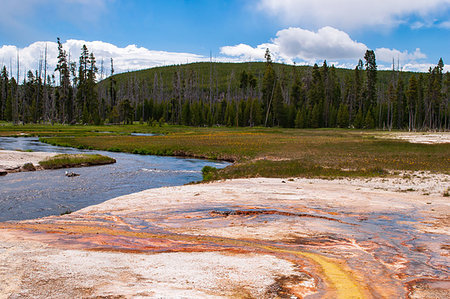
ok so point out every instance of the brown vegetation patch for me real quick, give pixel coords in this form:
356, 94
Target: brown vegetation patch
428, 288
271, 212
290, 286
319, 240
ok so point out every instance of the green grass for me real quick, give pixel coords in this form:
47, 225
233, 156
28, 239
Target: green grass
276, 152
271, 152
290, 168
36, 130
69, 160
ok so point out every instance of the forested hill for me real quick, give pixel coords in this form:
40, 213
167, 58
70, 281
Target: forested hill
232, 94
220, 75
271, 94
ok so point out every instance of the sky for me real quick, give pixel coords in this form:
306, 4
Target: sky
139, 34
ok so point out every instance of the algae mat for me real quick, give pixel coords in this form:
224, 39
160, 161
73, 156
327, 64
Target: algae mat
260, 238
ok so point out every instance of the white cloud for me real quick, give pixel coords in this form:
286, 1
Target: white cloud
430, 24
127, 58
296, 43
444, 25
333, 45
421, 67
351, 14
326, 43
386, 55
289, 45
131, 57
409, 62
247, 52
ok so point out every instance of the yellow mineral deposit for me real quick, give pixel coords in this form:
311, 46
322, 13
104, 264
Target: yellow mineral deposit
238, 238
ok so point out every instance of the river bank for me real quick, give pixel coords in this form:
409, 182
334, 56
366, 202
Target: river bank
240, 238
19, 161
13, 161
29, 195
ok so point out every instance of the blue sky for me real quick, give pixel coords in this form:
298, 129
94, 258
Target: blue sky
141, 34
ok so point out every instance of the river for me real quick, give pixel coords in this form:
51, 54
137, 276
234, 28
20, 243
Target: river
28, 195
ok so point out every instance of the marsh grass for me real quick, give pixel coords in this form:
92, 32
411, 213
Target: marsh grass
289, 168
273, 152
69, 160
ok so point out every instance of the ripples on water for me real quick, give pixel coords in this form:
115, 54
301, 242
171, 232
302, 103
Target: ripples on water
27, 195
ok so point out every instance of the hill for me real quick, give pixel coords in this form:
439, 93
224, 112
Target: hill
220, 75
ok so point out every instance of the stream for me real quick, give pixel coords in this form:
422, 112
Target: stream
28, 195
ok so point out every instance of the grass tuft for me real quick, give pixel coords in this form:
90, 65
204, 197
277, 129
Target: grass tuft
28, 167
67, 161
446, 192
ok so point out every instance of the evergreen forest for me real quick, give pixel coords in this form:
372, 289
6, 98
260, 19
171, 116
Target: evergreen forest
230, 94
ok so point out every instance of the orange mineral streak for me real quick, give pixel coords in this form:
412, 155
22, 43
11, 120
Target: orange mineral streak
347, 242
339, 280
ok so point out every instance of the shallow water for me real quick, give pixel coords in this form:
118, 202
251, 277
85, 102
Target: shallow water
28, 195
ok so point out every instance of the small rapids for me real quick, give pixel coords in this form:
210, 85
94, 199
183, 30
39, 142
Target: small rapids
28, 195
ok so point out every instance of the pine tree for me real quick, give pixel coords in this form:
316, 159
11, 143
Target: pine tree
315, 117
297, 93
359, 120
446, 101
369, 122
4, 83
291, 115
230, 114
279, 115
186, 114
126, 112
257, 112
268, 86
400, 104
64, 99
316, 92
82, 88
412, 97
342, 116
371, 71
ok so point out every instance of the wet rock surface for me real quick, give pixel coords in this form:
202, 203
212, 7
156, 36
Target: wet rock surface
257, 238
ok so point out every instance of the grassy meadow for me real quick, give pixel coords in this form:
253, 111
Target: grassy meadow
269, 152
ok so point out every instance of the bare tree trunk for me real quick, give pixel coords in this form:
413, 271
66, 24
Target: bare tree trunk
39, 80
16, 103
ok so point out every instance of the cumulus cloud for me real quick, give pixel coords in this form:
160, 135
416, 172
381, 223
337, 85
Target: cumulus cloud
336, 46
421, 67
127, 58
386, 55
352, 14
247, 52
326, 43
289, 45
297, 43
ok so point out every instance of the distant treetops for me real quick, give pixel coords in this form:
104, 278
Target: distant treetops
209, 94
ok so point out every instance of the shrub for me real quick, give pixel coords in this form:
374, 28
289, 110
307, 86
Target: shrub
28, 167
208, 172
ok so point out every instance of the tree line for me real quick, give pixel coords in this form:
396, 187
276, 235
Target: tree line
285, 97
